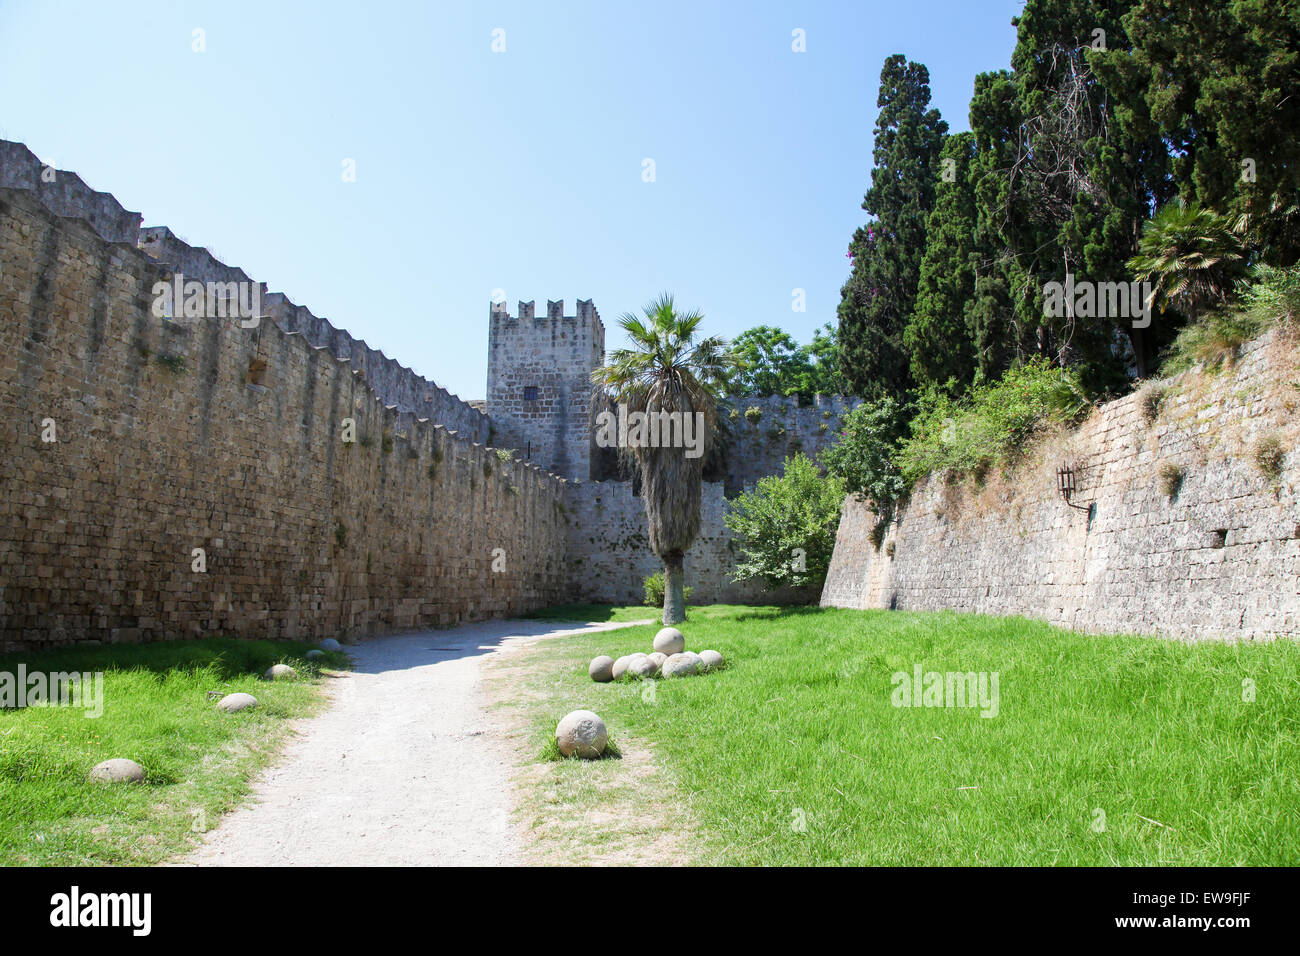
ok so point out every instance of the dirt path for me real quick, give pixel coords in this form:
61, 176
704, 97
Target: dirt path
399, 770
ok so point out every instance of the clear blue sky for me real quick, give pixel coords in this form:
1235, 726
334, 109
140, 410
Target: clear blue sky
477, 170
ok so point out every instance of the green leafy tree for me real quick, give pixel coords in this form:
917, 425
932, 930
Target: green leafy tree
1217, 82
786, 526
863, 454
877, 301
668, 369
1062, 188
774, 363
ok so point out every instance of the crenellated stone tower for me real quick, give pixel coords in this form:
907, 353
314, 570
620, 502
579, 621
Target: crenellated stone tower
539, 383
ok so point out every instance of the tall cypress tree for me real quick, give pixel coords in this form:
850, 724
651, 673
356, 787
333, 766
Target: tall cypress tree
938, 336
877, 301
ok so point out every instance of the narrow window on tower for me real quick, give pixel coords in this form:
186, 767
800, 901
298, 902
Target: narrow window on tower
530, 393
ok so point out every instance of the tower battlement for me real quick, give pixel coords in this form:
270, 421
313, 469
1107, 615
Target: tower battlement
539, 382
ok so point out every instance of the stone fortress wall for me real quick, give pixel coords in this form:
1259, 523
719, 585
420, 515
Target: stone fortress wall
783, 427
176, 434
180, 434
539, 392
1220, 557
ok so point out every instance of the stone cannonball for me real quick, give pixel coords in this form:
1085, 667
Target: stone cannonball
601, 669
670, 641
581, 734
710, 660
681, 665
117, 770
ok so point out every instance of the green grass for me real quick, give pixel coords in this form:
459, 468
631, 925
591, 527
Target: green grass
595, 613
800, 727
156, 712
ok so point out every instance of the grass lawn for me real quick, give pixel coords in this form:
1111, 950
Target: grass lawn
156, 712
1103, 751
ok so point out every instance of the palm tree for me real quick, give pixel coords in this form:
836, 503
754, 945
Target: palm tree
1192, 256
668, 370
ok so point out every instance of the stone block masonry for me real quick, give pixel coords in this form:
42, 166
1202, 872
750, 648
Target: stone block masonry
609, 557
183, 434
1185, 536
539, 383
783, 426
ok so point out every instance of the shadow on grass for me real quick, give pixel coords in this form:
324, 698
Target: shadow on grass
589, 613
550, 752
226, 657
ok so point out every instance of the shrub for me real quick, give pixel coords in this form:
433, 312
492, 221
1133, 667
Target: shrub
175, 364
1214, 340
654, 590
863, 456
1150, 399
1269, 455
505, 454
1171, 479
994, 424
753, 414
786, 526
1211, 341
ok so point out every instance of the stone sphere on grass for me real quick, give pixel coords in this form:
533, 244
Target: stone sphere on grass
581, 734
623, 663
329, 644
658, 657
117, 770
280, 672
601, 669
643, 667
682, 665
315, 654
710, 660
234, 703
670, 641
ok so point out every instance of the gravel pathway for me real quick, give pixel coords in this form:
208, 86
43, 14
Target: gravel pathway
399, 770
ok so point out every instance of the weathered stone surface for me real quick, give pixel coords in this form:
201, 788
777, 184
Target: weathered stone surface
382, 534
621, 665
670, 641
710, 660
581, 734
330, 644
643, 667
681, 665
280, 672
117, 770
1219, 559
659, 657
601, 669
234, 703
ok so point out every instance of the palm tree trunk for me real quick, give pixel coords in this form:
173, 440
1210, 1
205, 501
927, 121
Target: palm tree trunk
674, 594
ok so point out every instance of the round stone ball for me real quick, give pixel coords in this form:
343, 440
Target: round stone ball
234, 703
581, 734
623, 663
710, 660
643, 667
670, 641
329, 644
280, 672
117, 770
315, 654
601, 669
682, 665
658, 657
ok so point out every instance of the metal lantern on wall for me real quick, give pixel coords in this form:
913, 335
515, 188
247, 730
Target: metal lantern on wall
1067, 484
